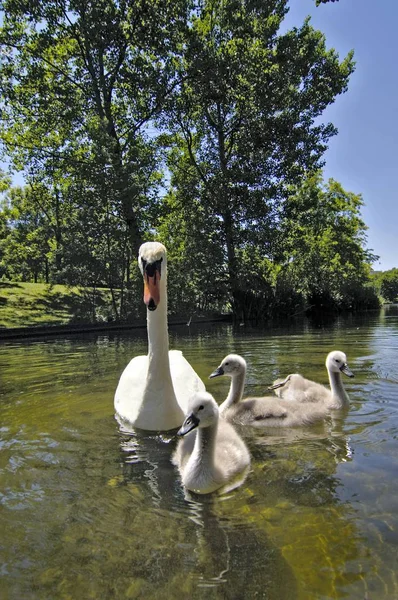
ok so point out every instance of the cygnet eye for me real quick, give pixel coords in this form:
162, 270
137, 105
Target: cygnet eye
226, 364
201, 407
338, 360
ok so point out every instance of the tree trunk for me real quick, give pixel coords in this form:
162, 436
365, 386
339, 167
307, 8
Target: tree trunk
228, 218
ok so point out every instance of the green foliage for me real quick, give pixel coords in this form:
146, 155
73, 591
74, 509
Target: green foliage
197, 123
322, 243
25, 246
79, 83
388, 282
245, 119
196, 277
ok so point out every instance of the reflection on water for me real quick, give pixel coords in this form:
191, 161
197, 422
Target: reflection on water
92, 511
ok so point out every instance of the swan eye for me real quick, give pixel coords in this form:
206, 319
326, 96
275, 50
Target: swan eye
338, 360
201, 407
226, 364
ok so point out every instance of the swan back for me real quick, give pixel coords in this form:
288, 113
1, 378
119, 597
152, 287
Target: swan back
212, 454
297, 388
268, 411
265, 411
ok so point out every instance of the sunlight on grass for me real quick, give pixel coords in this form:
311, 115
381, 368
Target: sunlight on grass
29, 304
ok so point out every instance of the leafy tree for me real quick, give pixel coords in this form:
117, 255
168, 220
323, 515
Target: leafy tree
197, 279
27, 244
5, 183
323, 239
80, 83
247, 116
389, 285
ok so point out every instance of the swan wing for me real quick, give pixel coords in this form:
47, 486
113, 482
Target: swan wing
130, 390
300, 389
270, 412
186, 381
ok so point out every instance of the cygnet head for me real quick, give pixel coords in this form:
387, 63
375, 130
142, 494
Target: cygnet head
202, 412
152, 259
231, 365
336, 362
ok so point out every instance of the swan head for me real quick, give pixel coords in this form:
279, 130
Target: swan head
152, 259
336, 362
202, 412
231, 365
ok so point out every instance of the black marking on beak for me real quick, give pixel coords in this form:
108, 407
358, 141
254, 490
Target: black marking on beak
219, 371
346, 370
151, 305
151, 269
190, 423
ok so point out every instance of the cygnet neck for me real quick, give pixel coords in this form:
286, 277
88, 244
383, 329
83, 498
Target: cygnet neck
235, 392
337, 388
205, 444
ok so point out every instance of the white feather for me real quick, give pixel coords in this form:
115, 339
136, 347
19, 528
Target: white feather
154, 390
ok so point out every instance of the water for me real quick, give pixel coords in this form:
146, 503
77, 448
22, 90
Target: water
89, 511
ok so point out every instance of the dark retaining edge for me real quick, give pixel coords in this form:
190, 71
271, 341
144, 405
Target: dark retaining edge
45, 330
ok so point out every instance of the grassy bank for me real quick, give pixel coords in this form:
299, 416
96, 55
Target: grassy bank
30, 304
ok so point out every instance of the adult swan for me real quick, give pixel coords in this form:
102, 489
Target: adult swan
154, 390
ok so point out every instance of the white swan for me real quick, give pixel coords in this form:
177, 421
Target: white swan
214, 456
154, 390
265, 411
296, 387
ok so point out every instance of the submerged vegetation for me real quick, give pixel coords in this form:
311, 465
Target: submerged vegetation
192, 122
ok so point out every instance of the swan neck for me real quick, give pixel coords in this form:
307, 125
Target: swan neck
205, 444
235, 391
337, 388
158, 336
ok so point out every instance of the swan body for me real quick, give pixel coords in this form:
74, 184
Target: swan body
153, 390
298, 388
265, 411
214, 455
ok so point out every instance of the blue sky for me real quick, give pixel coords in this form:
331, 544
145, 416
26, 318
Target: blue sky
364, 154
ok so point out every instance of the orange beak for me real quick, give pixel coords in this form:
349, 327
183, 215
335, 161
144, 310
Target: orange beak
151, 290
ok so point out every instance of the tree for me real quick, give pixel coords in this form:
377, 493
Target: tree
323, 243
5, 183
389, 285
80, 82
196, 276
247, 116
26, 247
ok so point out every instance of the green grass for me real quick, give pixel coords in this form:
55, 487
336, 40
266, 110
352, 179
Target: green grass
29, 304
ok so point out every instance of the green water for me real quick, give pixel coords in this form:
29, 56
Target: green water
89, 511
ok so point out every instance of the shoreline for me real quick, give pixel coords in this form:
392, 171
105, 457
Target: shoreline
72, 328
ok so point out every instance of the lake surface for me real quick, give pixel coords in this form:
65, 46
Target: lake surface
90, 511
